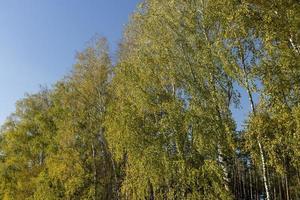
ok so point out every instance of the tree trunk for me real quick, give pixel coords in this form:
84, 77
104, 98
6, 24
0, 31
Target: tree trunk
286, 187
264, 170
109, 159
95, 173
262, 157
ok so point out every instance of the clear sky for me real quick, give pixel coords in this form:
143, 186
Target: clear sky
39, 38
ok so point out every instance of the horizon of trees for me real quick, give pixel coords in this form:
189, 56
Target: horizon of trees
158, 123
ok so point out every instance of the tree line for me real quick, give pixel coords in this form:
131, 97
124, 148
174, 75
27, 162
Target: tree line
158, 123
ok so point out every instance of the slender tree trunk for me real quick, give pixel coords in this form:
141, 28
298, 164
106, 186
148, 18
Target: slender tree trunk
286, 187
296, 48
250, 184
244, 184
280, 191
234, 180
224, 169
274, 193
257, 189
95, 173
151, 191
264, 170
298, 180
109, 159
262, 157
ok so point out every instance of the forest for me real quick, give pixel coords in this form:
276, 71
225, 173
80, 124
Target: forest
157, 123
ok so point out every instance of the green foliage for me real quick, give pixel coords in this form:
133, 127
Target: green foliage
158, 124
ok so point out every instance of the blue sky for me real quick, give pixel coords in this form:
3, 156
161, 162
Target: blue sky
39, 38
